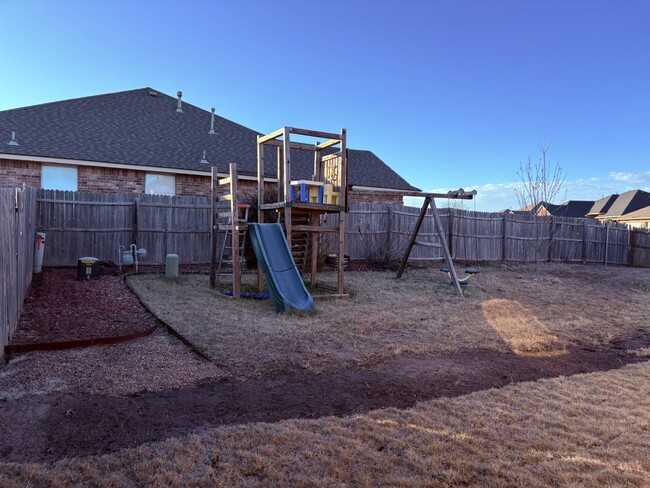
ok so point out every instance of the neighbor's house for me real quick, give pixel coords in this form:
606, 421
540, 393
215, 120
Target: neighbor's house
631, 208
570, 208
638, 218
139, 141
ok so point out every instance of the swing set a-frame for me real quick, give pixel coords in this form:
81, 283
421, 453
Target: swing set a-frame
429, 201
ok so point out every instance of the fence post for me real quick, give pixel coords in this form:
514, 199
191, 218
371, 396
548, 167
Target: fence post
504, 246
389, 244
606, 241
630, 246
136, 211
551, 236
584, 242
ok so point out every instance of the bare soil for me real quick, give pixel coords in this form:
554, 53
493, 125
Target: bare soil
65, 425
433, 347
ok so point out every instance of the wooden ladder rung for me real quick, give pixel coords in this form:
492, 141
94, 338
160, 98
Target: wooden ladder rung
225, 181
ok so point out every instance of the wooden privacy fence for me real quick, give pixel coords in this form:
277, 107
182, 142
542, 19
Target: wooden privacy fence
95, 224
381, 232
17, 233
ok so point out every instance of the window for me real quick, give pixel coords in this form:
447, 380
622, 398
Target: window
59, 178
160, 185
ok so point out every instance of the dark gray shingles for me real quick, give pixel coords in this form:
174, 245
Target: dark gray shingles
628, 202
133, 127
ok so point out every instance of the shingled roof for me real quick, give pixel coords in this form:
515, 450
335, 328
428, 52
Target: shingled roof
574, 208
627, 202
141, 127
602, 205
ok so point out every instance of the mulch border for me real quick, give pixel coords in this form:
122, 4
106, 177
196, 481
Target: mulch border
58, 346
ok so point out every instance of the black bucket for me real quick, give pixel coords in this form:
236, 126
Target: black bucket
88, 268
333, 261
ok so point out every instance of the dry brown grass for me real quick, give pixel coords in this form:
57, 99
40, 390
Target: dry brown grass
154, 363
588, 430
505, 309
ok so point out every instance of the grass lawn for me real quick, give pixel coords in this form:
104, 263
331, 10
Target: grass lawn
582, 430
505, 309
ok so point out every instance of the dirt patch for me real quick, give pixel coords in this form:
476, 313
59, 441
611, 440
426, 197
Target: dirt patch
50, 427
59, 308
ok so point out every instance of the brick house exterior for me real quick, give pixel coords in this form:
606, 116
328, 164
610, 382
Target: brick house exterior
154, 139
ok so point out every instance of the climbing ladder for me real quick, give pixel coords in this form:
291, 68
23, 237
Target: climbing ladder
226, 257
234, 227
413, 241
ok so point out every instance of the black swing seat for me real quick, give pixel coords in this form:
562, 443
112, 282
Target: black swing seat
464, 280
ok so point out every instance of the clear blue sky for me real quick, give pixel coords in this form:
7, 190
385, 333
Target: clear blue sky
449, 93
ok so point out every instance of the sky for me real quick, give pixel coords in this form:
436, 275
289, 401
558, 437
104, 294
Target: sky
453, 93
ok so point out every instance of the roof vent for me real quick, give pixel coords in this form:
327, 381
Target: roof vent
203, 160
212, 123
152, 93
13, 141
179, 109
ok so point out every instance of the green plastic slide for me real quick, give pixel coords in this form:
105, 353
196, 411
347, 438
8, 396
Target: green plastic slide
282, 277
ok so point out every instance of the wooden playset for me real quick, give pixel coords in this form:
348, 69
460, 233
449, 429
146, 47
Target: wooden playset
325, 193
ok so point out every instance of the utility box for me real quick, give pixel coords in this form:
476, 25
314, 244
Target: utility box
88, 268
39, 249
171, 266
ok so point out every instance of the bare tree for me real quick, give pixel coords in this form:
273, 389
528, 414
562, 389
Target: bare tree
537, 184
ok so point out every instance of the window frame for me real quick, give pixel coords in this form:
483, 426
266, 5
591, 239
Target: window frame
46, 168
159, 175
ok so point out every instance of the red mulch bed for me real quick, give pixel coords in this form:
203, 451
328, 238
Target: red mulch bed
58, 308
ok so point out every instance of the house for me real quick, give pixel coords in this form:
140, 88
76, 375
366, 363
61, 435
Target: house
639, 218
146, 141
601, 206
631, 208
570, 208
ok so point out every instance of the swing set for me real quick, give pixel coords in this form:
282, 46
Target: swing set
429, 201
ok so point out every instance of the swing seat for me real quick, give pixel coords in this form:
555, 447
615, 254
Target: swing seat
472, 271
444, 269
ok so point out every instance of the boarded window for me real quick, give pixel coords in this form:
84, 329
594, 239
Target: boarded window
160, 184
59, 178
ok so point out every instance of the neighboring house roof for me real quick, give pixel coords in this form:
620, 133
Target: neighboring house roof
627, 202
141, 127
574, 208
602, 205
570, 208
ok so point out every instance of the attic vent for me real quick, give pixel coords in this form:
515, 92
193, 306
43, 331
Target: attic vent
179, 109
13, 141
153, 93
203, 160
212, 123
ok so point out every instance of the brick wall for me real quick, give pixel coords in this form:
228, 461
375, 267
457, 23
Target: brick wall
191, 185
110, 180
15, 173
